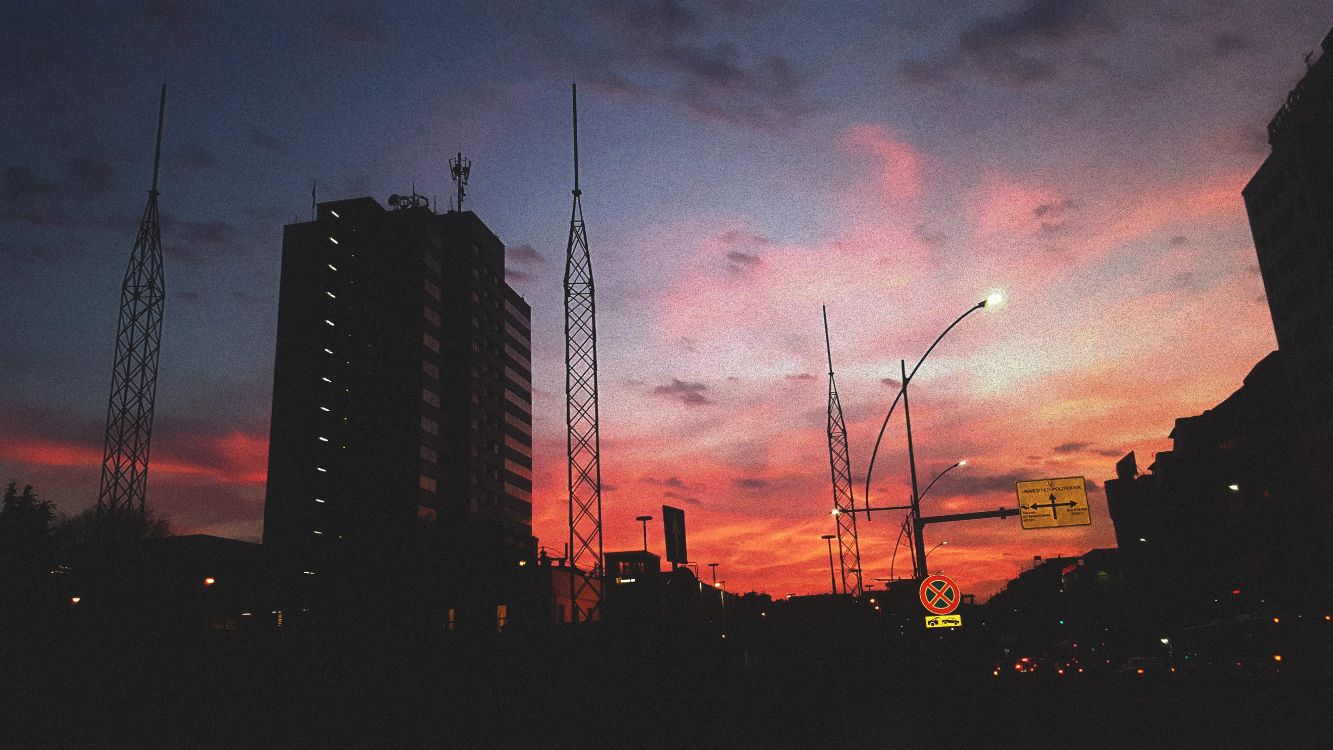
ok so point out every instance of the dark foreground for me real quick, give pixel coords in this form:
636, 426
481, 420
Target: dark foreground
667, 690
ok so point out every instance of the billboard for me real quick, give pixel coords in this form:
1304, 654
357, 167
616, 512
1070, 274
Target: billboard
673, 525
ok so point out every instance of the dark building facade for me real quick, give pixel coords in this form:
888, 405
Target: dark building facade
1290, 206
1227, 510
401, 426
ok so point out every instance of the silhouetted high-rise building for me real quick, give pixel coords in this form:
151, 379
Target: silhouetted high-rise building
401, 425
1290, 204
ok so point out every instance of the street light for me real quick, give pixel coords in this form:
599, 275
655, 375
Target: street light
833, 582
644, 520
992, 300
714, 567
941, 474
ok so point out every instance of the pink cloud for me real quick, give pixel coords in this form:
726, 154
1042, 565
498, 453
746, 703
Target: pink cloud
900, 164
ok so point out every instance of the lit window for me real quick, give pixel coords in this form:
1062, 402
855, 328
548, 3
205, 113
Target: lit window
332, 267
501, 617
333, 240
331, 295
429, 454
430, 425
426, 483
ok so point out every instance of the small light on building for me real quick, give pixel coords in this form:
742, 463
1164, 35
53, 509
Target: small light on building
1141, 539
326, 380
330, 322
321, 468
323, 408
335, 214
521, 563
209, 581
1277, 619
332, 267
1164, 641
319, 500
323, 439
333, 240
75, 599
328, 350
1234, 487
331, 295
1277, 657
317, 531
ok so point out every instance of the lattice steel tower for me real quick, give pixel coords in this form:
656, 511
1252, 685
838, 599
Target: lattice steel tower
129, 416
583, 442
840, 464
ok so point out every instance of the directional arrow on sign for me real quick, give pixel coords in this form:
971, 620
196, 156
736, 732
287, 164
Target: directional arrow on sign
1053, 505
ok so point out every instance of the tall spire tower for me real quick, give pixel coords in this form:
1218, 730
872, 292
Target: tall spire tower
583, 441
840, 464
129, 416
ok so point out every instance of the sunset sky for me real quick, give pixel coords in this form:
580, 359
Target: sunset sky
743, 162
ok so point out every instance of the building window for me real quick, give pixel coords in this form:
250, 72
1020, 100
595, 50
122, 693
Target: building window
451, 621
426, 483
501, 617
433, 290
432, 263
431, 316
426, 514
430, 425
430, 397
430, 342
429, 454
431, 370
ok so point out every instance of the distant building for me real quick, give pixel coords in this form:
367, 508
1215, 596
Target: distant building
1290, 205
1227, 510
401, 434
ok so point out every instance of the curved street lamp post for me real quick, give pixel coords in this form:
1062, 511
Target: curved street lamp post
918, 561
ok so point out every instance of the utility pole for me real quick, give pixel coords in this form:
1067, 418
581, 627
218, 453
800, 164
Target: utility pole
644, 520
832, 582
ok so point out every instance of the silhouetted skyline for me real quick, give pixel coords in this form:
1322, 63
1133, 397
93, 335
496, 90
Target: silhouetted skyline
741, 166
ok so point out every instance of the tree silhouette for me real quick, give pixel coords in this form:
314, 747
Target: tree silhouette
25, 521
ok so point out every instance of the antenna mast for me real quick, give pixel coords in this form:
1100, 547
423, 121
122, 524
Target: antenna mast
840, 466
460, 168
581, 413
129, 417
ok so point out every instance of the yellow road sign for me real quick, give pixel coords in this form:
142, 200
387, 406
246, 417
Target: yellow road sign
1044, 503
944, 621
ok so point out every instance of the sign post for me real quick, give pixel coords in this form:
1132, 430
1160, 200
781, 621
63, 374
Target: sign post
1047, 503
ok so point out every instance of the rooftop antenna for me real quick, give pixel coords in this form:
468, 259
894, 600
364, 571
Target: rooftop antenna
840, 466
129, 416
583, 441
460, 168
313, 205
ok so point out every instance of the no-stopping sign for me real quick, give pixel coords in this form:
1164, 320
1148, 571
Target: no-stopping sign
939, 595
